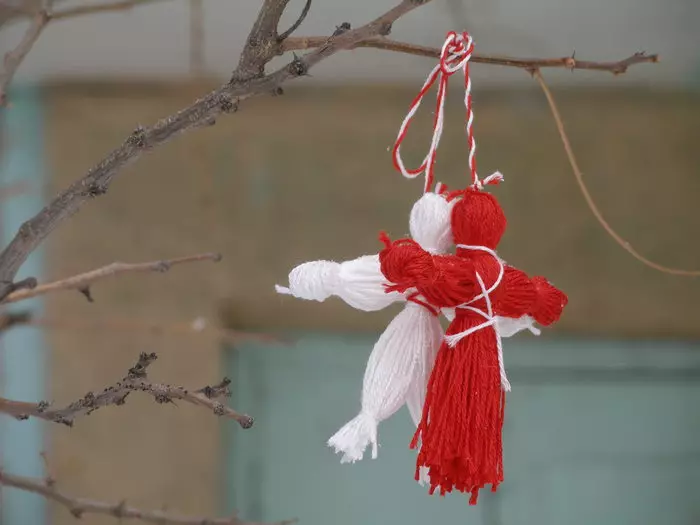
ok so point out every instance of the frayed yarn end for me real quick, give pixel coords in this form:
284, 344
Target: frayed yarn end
352, 439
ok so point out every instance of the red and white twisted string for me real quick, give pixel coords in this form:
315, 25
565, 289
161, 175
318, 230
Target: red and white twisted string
455, 55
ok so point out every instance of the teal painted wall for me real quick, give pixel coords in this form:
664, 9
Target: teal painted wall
597, 433
22, 350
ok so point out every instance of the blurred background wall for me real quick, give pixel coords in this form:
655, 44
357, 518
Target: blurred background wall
286, 180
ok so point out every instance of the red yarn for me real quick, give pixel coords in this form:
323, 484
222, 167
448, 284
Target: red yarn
515, 296
461, 427
477, 220
404, 263
445, 281
549, 303
460, 430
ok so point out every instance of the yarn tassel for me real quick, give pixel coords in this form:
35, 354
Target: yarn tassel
395, 368
461, 424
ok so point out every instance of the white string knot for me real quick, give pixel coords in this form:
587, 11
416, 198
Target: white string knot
490, 319
495, 178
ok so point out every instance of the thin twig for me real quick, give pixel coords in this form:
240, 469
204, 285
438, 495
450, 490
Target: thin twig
120, 510
619, 67
49, 479
83, 281
135, 381
587, 195
298, 22
14, 58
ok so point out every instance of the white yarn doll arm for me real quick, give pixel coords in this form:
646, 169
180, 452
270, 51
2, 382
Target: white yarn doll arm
359, 282
506, 326
509, 326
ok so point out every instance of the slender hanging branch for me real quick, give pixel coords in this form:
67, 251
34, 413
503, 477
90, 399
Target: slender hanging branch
587, 194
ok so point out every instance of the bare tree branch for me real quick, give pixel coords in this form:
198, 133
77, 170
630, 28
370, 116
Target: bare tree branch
120, 510
14, 58
587, 195
619, 67
83, 281
248, 80
136, 380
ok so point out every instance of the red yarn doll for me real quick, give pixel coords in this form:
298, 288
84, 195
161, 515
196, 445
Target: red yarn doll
461, 427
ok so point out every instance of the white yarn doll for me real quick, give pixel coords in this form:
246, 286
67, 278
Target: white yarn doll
402, 358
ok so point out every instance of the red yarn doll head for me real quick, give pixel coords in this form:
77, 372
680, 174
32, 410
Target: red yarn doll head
477, 220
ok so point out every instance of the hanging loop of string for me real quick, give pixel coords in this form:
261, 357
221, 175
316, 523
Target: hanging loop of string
455, 55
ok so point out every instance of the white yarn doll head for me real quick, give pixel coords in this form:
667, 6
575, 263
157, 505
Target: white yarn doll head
430, 223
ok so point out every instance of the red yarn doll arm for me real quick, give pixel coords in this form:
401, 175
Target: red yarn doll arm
404, 264
516, 295
549, 302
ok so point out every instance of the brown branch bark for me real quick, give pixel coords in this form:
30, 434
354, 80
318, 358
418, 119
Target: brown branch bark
619, 67
136, 380
247, 81
80, 506
587, 194
83, 281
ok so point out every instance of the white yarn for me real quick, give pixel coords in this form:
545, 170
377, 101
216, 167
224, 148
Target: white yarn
401, 361
395, 360
505, 326
430, 223
509, 326
359, 282
415, 397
